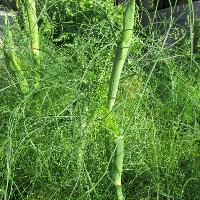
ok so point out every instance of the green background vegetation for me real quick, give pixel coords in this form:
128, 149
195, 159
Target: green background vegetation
52, 140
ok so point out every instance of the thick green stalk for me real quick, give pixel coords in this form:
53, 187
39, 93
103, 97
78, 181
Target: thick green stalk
117, 165
33, 27
120, 57
121, 52
11, 59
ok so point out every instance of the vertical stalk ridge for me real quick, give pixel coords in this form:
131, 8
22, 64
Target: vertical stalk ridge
119, 60
35, 46
11, 60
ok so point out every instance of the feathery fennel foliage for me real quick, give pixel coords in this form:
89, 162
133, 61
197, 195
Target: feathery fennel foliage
11, 60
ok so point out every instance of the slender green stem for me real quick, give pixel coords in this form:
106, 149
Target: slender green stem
32, 20
120, 57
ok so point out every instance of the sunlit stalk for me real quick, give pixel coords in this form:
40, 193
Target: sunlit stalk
33, 27
120, 57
